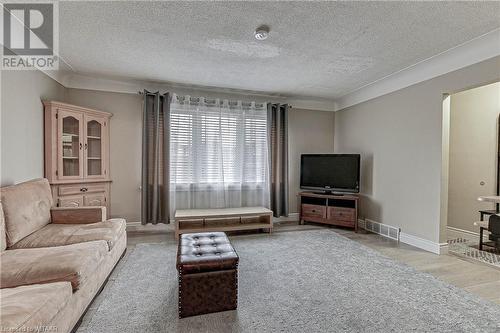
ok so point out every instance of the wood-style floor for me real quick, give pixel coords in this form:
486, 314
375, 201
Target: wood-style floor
474, 277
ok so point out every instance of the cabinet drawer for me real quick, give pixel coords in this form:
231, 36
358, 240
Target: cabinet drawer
71, 201
81, 188
69, 189
313, 210
190, 224
342, 214
223, 221
94, 200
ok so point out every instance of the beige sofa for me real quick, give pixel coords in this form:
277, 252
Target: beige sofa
53, 261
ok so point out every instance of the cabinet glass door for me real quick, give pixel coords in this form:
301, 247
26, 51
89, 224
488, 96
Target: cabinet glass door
94, 147
70, 143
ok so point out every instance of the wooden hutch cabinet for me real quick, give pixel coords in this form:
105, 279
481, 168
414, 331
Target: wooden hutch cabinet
77, 155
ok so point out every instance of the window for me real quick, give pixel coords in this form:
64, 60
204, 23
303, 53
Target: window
218, 142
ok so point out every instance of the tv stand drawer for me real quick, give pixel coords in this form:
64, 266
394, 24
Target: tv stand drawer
313, 210
342, 214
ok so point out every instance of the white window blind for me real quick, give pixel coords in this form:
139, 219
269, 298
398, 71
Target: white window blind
218, 146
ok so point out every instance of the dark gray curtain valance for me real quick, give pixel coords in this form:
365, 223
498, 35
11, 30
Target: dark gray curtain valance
155, 157
278, 132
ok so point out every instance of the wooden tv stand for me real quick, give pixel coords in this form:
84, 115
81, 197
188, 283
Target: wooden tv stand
334, 209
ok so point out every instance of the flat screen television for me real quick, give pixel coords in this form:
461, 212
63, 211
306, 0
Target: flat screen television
330, 172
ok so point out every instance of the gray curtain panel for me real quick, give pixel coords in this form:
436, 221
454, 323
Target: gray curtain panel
277, 115
155, 158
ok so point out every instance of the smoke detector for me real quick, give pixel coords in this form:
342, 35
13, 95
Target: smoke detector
262, 32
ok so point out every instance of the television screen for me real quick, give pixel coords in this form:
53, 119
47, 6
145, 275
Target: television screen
330, 172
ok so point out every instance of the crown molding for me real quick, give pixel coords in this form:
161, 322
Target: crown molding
476, 50
89, 82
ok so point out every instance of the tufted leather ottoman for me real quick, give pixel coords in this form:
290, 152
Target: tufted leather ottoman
208, 274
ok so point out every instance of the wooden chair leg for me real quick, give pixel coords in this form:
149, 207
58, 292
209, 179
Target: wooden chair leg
481, 230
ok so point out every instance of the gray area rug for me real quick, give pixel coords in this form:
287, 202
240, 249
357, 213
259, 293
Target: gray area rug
307, 281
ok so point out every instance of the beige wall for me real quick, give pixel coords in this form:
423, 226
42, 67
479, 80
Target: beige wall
473, 153
125, 146
22, 123
22, 135
308, 132
400, 138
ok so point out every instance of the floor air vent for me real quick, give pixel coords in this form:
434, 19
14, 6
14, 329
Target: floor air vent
382, 229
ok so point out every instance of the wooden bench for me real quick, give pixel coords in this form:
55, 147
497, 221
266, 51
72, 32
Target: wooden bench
222, 219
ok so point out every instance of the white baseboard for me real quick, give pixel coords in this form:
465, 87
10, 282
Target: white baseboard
294, 217
135, 223
424, 244
443, 249
454, 233
137, 226
421, 243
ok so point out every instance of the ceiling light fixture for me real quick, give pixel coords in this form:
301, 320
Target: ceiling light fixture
262, 32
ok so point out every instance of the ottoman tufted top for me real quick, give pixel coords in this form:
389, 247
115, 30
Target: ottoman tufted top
205, 252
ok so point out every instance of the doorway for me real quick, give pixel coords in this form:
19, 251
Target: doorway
471, 129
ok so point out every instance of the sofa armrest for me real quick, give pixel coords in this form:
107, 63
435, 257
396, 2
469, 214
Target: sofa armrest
77, 215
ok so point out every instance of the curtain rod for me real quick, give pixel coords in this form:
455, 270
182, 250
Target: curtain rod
142, 93
150, 93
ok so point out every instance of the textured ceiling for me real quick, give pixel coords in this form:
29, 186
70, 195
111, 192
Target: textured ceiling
315, 49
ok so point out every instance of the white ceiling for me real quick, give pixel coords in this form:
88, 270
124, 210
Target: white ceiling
315, 49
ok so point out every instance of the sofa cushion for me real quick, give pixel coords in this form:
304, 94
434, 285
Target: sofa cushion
26, 208
3, 239
63, 234
72, 263
26, 308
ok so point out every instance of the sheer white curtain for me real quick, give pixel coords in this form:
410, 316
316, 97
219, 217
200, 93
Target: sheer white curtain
219, 153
